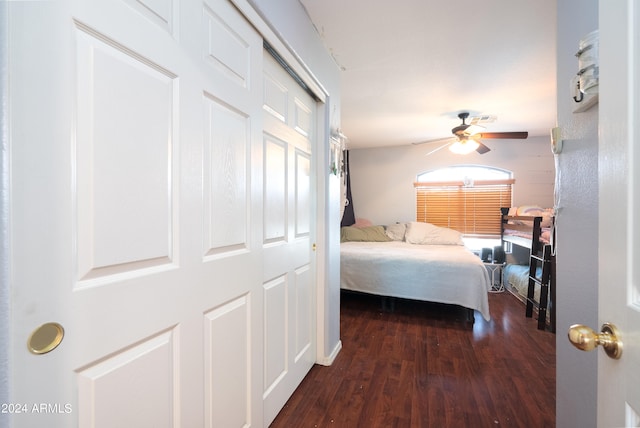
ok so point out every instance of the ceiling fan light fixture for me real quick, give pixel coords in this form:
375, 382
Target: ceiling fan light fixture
464, 147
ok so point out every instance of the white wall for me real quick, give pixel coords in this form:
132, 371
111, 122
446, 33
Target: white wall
4, 211
382, 178
577, 226
288, 19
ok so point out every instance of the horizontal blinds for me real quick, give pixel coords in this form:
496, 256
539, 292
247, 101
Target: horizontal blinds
470, 210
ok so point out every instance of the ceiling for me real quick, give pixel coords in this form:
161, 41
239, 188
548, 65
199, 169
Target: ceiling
409, 67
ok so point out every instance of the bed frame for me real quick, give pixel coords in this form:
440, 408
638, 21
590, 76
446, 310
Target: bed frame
445, 274
540, 255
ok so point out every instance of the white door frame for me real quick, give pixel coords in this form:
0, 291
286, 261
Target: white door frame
5, 374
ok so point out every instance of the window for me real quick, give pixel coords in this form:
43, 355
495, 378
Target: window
466, 198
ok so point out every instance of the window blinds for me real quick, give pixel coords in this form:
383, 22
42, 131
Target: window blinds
473, 210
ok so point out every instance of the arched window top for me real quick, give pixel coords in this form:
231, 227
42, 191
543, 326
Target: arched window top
465, 173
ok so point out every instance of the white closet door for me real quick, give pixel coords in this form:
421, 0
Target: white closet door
136, 214
289, 236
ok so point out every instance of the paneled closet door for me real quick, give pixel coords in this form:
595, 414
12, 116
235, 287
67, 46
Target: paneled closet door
136, 227
289, 234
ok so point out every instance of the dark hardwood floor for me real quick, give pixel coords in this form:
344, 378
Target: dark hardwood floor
423, 365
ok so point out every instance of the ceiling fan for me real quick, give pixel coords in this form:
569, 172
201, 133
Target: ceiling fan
467, 136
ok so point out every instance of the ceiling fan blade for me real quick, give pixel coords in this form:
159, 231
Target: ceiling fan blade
482, 149
506, 135
437, 140
439, 148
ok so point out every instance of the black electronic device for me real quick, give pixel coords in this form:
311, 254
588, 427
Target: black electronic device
486, 255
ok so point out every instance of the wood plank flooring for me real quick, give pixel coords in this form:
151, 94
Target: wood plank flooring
423, 365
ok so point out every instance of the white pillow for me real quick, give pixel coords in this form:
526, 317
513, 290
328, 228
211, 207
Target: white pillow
396, 231
427, 233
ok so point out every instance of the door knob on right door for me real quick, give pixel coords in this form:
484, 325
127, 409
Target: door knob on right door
586, 339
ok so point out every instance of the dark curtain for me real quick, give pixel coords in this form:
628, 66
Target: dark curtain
349, 217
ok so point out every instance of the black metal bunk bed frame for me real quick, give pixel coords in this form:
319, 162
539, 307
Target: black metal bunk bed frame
541, 255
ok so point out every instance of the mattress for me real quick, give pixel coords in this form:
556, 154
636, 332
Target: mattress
524, 238
517, 277
449, 274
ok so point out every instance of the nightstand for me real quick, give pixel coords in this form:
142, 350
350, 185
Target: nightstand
495, 274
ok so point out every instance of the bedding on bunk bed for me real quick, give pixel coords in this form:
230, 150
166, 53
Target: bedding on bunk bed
518, 228
416, 261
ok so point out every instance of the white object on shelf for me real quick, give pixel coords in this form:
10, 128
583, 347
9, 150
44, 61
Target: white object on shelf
585, 84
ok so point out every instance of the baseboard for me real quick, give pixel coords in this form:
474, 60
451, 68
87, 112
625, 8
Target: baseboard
328, 360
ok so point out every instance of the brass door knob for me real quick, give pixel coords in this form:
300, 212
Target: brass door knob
45, 338
586, 339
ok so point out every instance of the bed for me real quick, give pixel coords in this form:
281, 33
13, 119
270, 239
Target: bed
416, 261
532, 280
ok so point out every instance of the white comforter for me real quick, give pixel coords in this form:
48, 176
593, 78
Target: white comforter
436, 273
